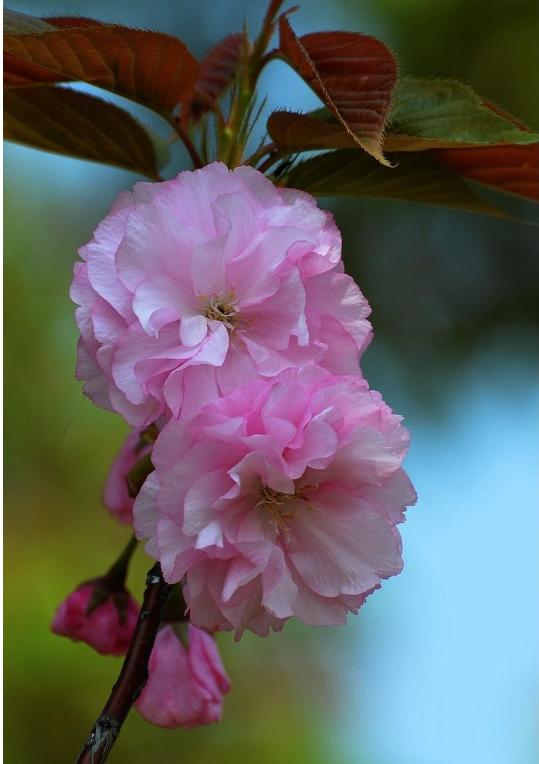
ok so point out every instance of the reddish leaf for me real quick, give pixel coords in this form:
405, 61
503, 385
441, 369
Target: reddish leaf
67, 122
513, 169
217, 70
426, 115
352, 73
303, 132
445, 119
73, 21
152, 68
19, 73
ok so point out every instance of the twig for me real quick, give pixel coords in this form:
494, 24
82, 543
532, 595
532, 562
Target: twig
261, 152
184, 136
190, 146
275, 156
133, 675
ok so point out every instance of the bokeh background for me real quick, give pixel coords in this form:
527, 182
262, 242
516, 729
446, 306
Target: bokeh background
440, 667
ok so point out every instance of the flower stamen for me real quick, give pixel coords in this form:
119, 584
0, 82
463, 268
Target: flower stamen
279, 505
220, 307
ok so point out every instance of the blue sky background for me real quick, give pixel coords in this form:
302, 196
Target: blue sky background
442, 667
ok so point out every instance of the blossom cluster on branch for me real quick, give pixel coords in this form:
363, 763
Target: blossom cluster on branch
216, 318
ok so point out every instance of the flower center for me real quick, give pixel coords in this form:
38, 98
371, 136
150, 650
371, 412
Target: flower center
220, 307
279, 505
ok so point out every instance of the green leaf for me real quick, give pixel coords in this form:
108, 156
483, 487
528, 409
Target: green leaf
466, 135
426, 115
67, 122
353, 74
430, 114
417, 178
21, 23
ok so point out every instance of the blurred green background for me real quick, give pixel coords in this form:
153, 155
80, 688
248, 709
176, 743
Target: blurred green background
440, 666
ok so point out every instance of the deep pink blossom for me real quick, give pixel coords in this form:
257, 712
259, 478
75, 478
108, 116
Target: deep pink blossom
185, 686
104, 620
278, 500
116, 496
196, 285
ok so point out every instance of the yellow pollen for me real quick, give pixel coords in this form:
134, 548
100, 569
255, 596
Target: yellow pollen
220, 308
279, 506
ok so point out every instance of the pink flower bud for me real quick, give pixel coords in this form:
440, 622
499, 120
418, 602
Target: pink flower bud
116, 497
185, 686
102, 618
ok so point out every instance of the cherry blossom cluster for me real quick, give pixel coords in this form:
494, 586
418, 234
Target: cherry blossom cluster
214, 307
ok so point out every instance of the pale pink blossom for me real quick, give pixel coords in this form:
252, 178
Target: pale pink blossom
193, 286
116, 496
102, 618
278, 500
186, 685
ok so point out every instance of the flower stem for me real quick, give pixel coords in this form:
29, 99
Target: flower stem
184, 136
233, 134
267, 29
275, 156
133, 674
260, 153
190, 146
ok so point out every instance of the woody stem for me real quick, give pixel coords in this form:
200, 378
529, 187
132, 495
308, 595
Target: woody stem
133, 674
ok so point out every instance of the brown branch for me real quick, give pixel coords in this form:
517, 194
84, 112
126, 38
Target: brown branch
190, 146
275, 156
184, 136
260, 153
133, 675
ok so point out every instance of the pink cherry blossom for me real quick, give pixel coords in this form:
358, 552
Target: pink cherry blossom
116, 496
278, 500
193, 286
185, 686
104, 620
